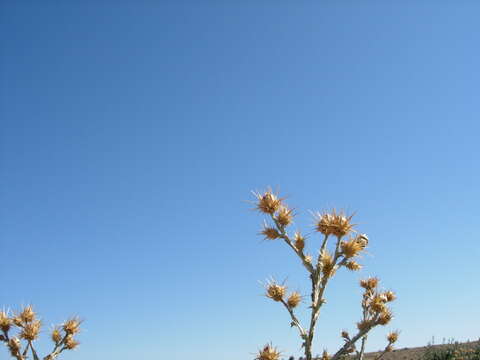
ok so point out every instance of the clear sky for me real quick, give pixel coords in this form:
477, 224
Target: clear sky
132, 133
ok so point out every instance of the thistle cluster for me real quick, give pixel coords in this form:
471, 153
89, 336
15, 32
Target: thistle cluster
340, 247
19, 331
268, 352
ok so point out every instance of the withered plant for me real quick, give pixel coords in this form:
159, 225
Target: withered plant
19, 332
340, 246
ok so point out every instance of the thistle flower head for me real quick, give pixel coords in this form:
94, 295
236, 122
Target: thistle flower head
353, 265
5, 321
268, 353
71, 343
294, 299
269, 232
392, 337
31, 330
325, 355
284, 216
378, 304
275, 291
345, 335
56, 335
390, 295
14, 345
364, 325
27, 315
385, 317
328, 265
334, 223
268, 202
71, 326
299, 241
351, 247
369, 284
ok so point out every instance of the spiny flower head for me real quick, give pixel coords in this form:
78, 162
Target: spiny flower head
27, 314
71, 326
353, 265
345, 335
269, 232
364, 325
294, 299
284, 216
268, 202
325, 355
390, 295
275, 291
334, 223
299, 241
5, 321
328, 266
56, 335
31, 330
378, 304
71, 343
351, 248
385, 317
392, 337
369, 284
14, 345
268, 353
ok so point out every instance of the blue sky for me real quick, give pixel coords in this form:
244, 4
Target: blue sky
133, 133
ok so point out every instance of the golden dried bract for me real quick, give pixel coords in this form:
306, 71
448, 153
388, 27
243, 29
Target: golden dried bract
294, 299
364, 325
392, 337
56, 335
385, 317
27, 314
71, 326
31, 330
268, 202
268, 353
334, 223
71, 343
270, 233
284, 216
369, 284
275, 291
328, 265
353, 265
299, 241
351, 247
5, 322
390, 295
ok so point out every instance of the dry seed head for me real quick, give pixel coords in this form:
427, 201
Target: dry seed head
390, 295
299, 241
369, 284
268, 202
284, 216
308, 259
385, 317
392, 337
14, 345
325, 355
345, 335
31, 330
328, 266
270, 233
27, 315
5, 321
351, 247
71, 343
334, 223
71, 326
294, 299
56, 335
378, 304
268, 353
353, 265
364, 325
275, 291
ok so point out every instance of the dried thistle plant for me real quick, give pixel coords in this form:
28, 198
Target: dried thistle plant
345, 246
27, 328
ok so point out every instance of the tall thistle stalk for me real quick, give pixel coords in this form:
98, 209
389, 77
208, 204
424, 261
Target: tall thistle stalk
27, 327
339, 247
